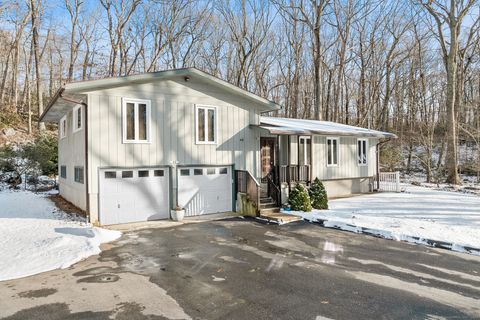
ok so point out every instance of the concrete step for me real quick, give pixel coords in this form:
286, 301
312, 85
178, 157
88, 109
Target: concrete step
269, 210
266, 200
268, 205
279, 217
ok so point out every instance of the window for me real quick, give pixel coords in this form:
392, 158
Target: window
362, 152
197, 172
78, 174
136, 121
206, 125
63, 172
158, 173
211, 171
127, 174
63, 127
304, 150
143, 173
332, 152
77, 118
110, 174
184, 172
223, 171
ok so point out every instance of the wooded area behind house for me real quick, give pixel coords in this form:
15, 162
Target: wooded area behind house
409, 67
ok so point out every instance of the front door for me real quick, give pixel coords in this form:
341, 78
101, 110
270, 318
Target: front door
267, 151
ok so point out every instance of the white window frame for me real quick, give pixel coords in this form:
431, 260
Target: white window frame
62, 130
136, 102
206, 108
306, 148
366, 152
338, 151
75, 119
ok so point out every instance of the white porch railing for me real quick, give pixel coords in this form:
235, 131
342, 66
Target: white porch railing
388, 181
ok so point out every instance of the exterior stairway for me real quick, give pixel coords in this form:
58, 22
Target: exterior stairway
270, 210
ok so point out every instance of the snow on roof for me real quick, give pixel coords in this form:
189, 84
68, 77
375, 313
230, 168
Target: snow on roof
301, 126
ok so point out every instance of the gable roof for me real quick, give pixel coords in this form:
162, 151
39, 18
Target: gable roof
77, 89
308, 127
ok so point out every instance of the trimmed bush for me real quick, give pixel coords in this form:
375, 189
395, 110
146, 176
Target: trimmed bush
318, 195
299, 199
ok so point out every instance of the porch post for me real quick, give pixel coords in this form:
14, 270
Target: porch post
288, 163
310, 171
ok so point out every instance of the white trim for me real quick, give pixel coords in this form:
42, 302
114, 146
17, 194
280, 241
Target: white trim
62, 131
215, 124
365, 152
75, 119
135, 102
338, 151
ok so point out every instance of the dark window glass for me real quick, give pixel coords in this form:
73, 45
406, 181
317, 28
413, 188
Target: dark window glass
335, 151
211, 171
185, 172
301, 151
130, 118
329, 151
127, 174
223, 171
63, 172
79, 118
110, 174
143, 173
201, 124
158, 173
308, 150
142, 121
78, 174
211, 125
197, 172
359, 151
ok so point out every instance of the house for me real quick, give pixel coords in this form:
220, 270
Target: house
131, 148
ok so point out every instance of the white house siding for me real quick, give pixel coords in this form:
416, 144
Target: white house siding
347, 161
172, 130
71, 153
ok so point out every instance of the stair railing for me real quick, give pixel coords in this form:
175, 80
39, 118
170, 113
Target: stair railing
246, 183
273, 190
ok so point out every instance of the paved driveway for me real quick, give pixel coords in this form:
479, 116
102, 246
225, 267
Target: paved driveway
241, 269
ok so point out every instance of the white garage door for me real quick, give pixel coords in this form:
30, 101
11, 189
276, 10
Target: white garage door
129, 195
203, 190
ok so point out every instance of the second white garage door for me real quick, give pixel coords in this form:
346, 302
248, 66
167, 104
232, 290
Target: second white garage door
204, 190
130, 195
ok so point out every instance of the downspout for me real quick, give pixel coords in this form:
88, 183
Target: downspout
85, 105
378, 160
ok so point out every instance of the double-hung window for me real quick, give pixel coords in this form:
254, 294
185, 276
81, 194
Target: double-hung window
332, 152
77, 118
304, 150
206, 127
63, 127
136, 120
362, 152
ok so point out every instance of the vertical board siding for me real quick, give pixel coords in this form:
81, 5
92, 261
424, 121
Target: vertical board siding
172, 130
71, 153
347, 162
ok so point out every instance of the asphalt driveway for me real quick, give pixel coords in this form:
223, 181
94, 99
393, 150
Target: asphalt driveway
241, 269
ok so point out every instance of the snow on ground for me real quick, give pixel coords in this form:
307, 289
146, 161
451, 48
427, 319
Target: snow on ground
470, 184
418, 215
36, 237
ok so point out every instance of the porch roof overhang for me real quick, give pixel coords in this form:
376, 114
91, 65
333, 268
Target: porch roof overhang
286, 126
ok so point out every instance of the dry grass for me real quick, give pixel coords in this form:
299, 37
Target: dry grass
66, 206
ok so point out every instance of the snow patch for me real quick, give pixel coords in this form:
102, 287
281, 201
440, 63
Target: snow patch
443, 219
37, 237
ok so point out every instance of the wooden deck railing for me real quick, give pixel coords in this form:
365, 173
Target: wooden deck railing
293, 173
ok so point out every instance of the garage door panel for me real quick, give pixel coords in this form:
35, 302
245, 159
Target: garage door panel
205, 193
141, 197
